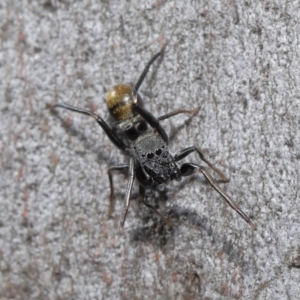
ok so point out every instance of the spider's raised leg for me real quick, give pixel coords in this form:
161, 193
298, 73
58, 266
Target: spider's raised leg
109, 132
149, 118
145, 71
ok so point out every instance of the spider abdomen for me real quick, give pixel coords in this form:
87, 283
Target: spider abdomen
119, 102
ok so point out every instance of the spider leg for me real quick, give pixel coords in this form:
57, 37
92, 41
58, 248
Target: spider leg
145, 71
185, 152
118, 168
112, 136
149, 118
178, 111
131, 173
191, 168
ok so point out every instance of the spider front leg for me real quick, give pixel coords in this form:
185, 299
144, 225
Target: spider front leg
188, 169
146, 69
109, 132
154, 122
151, 120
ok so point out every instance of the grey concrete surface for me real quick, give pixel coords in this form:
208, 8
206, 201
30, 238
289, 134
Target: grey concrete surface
238, 61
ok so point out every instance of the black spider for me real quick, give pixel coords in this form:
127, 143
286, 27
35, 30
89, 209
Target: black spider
147, 148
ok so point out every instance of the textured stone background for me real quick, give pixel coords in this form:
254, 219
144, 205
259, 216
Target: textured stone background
236, 60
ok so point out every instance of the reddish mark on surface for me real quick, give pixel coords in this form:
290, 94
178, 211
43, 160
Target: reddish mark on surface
25, 194
240, 294
114, 243
84, 226
106, 278
20, 172
92, 106
169, 260
21, 65
123, 270
226, 289
220, 253
25, 212
162, 40
54, 159
97, 252
113, 47
104, 230
222, 161
67, 223
45, 128
235, 277
10, 286
22, 35
68, 122
29, 100
174, 277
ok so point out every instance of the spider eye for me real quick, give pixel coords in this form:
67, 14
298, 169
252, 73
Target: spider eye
158, 152
150, 155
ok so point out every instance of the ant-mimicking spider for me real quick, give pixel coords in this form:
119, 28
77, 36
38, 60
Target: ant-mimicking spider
147, 148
